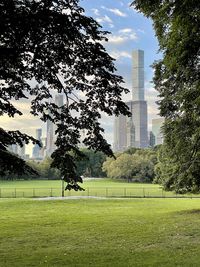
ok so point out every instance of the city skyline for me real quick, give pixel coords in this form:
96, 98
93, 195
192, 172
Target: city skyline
130, 30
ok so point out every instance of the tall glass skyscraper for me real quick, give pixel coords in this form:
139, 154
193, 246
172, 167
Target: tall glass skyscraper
132, 132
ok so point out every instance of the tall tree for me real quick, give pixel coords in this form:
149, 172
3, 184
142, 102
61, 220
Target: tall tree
55, 44
133, 164
177, 79
91, 164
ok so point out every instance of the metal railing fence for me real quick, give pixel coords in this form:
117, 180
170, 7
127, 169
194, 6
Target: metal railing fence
131, 192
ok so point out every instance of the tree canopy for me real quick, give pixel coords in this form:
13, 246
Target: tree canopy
56, 46
177, 79
133, 165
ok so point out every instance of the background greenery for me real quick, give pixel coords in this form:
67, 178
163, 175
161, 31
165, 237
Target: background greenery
132, 165
90, 165
151, 165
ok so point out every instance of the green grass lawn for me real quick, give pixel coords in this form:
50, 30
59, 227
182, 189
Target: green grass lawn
97, 187
57, 183
107, 232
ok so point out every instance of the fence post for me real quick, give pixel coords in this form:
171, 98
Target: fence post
124, 191
143, 192
51, 194
15, 193
33, 192
106, 192
63, 189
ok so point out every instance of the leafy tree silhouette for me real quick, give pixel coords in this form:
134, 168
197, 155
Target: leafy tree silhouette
177, 79
55, 44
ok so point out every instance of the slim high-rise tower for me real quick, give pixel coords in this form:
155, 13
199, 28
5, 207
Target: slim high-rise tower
132, 132
138, 75
139, 111
51, 128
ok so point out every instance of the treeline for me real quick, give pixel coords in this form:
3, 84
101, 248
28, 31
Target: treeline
89, 166
42, 171
133, 165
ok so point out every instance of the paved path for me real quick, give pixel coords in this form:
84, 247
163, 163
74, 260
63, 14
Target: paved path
64, 198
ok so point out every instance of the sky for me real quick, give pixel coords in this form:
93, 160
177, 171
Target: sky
130, 30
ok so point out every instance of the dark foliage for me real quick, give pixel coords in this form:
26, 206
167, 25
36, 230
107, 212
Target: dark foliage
177, 79
53, 43
10, 163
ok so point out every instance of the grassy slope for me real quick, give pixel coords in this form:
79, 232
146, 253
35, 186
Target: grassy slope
136, 232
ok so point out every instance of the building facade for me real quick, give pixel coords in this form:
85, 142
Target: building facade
132, 131
157, 130
37, 150
51, 128
18, 150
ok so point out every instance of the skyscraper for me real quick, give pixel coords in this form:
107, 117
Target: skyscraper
157, 130
138, 75
51, 128
50, 138
18, 150
13, 148
124, 131
37, 149
132, 132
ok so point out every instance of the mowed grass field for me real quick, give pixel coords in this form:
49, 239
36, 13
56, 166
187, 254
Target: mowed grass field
95, 187
100, 232
96, 182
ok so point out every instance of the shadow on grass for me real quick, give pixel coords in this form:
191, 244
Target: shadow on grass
185, 212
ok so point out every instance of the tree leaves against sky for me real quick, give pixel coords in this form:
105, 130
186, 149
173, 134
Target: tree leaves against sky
55, 45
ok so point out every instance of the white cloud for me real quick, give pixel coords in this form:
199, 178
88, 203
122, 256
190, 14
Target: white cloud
104, 19
111, 25
125, 30
133, 36
95, 11
123, 36
120, 54
141, 31
115, 11
116, 39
